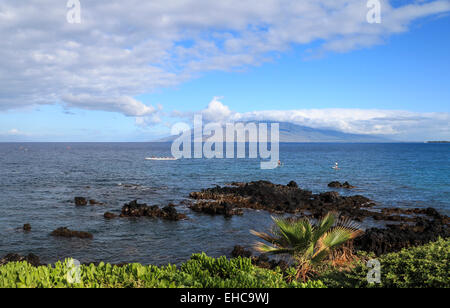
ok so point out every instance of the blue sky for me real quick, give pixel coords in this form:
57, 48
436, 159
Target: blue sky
395, 83
410, 71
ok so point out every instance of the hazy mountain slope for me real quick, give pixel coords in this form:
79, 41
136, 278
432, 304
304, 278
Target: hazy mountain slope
295, 133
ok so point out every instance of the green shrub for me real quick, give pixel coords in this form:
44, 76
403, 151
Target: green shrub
419, 267
200, 271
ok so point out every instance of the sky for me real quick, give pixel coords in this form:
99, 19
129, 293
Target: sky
130, 72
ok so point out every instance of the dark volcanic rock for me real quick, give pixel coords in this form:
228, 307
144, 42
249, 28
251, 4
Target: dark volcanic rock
109, 215
337, 184
170, 213
264, 195
397, 237
239, 251
94, 202
216, 208
134, 209
80, 201
65, 232
26, 227
31, 258
292, 184
261, 261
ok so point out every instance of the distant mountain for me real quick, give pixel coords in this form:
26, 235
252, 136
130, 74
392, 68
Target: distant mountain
292, 133
295, 133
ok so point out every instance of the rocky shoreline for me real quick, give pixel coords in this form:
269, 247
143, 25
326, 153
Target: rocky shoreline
404, 227
412, 227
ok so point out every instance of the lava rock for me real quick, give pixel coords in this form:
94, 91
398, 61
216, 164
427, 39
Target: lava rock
239, 251
263, 195
396, 237
134, 209
262, 261
31, 259
216, 208
65, 232
337, 184
80, 201
292, 184
109, 215
94, 202
170, 213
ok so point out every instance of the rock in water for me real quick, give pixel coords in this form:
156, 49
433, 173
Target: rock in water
337, 184
109, 215
170, 213
65, 232
134, 209
80, 201
292, 184
94, 202
216, 208
263, 195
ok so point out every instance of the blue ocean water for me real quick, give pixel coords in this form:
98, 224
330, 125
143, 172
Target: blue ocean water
39, 181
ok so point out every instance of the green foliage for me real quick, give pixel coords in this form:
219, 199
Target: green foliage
425, 266
419, 267
200, 271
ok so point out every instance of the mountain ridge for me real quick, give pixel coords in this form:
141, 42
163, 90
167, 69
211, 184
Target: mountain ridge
293, 133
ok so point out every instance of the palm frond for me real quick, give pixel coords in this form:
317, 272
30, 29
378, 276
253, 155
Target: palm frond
320, 255
346, 222
324, 225
264, 248
295, 233
337, 236
264, 236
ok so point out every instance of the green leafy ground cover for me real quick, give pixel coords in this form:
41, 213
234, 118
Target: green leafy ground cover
424, 266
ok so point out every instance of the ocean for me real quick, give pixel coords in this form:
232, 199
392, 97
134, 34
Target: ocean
40, 180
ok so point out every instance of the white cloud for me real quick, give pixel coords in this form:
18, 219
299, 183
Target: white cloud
13, 131
124, 104
122, 50
360, 121
148, 121
216, 111
397, 124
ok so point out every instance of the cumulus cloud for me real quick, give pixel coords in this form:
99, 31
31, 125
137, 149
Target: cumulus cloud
122, 50
216, 111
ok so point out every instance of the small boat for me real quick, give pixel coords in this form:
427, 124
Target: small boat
160, 158
336, 166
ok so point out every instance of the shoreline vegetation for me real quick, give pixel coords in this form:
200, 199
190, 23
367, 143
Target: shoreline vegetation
416, 267
324, 248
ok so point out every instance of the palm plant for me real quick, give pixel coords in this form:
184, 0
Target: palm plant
309, 244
